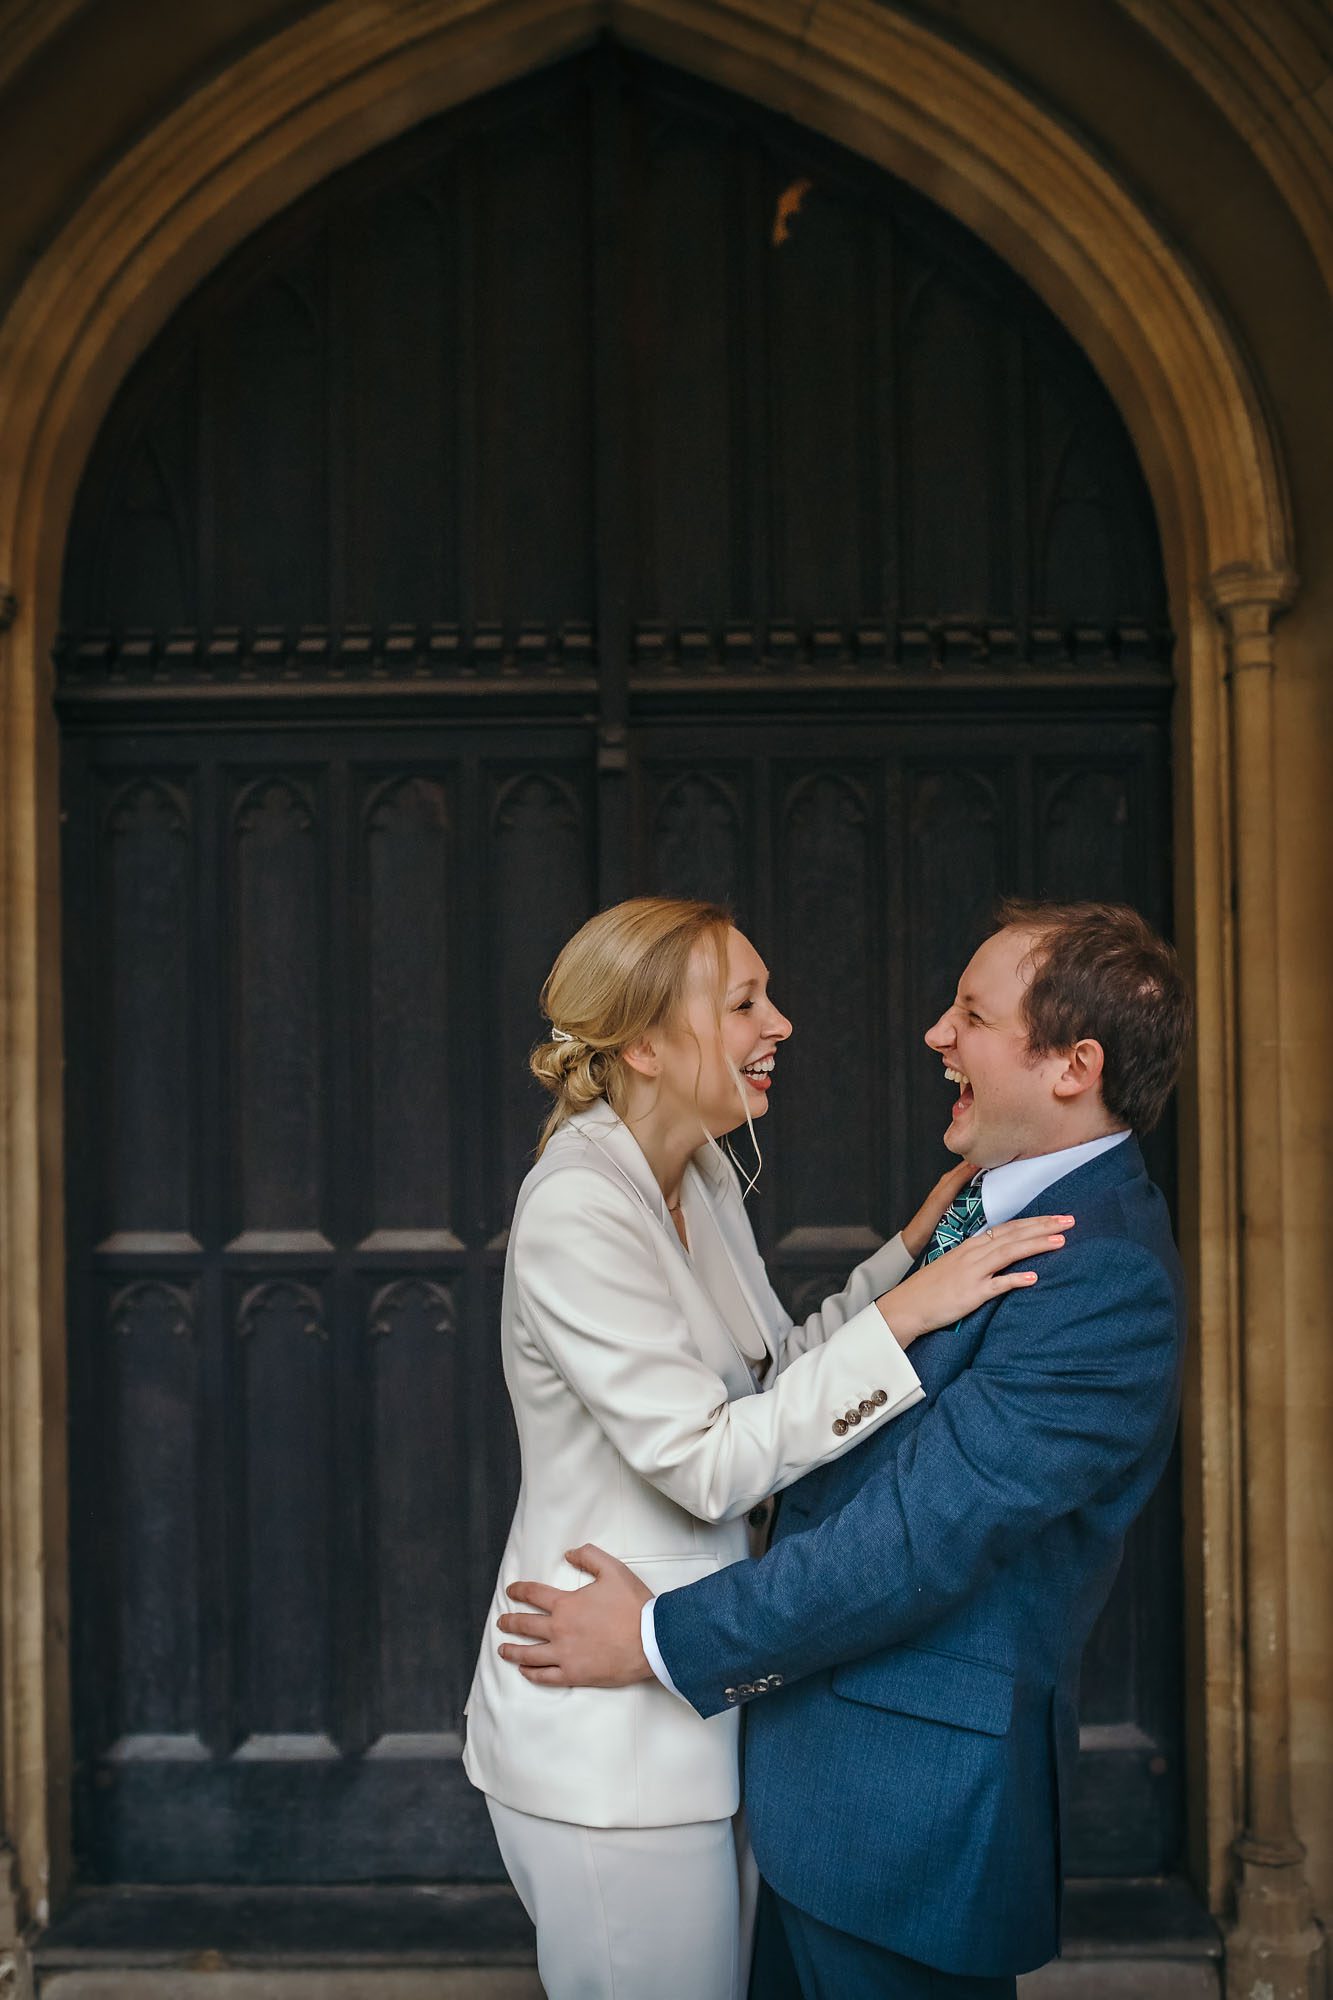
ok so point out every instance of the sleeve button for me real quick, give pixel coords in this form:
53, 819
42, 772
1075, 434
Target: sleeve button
775, 1680
729, 1694
868, 1407
839, 1428
880, 1398
853, 1416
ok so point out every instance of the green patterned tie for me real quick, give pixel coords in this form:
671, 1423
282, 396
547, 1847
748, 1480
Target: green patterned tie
964, 1216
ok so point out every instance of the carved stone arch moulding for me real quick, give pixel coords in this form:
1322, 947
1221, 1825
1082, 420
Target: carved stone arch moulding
332, 85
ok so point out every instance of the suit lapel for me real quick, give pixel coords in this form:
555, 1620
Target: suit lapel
938, 1357
712, 1338
739, 1250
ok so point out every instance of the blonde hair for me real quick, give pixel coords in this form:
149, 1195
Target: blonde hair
626, 972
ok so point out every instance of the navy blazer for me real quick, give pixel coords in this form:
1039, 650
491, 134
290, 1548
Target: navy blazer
910, 1646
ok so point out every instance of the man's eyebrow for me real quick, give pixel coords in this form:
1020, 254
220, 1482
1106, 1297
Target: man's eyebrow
969, 1000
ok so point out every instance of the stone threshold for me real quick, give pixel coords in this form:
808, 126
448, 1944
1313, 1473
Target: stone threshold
1125, 1941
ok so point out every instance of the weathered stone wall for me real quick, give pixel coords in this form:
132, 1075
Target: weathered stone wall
1216, 121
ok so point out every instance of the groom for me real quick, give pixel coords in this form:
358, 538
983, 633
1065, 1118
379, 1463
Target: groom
909, 1647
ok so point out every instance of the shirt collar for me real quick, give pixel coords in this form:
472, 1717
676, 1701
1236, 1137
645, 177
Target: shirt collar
1006, 1191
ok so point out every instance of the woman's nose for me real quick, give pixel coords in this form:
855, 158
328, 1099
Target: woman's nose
779, 1027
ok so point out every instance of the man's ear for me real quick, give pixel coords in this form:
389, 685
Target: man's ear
1082, 1070
642, 1056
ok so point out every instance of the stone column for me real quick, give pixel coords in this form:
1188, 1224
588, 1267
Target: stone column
11, 1920
34, 1616
1274, 1951
11, 1905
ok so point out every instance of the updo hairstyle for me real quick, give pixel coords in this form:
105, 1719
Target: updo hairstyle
625, 973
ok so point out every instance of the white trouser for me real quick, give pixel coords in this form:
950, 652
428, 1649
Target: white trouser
634, 1913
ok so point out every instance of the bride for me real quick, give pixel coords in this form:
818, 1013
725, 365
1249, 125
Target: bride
662, 1394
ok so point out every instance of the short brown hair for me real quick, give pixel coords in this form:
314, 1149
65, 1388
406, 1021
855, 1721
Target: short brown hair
1101, 972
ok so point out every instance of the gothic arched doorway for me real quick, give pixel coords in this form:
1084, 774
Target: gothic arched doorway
514, 523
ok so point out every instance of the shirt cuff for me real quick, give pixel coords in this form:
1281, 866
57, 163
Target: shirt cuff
652, 1652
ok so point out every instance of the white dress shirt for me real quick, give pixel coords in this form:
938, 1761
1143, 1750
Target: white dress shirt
1005, 1192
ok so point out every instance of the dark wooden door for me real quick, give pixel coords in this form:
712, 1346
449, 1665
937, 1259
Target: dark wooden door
524, 520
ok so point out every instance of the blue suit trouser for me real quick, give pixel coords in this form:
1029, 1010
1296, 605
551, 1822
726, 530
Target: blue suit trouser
832, 1965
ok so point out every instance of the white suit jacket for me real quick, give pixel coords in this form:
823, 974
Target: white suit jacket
641, 1430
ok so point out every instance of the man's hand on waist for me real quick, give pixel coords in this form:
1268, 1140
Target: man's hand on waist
581, 1638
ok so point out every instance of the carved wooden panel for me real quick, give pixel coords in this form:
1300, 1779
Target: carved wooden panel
140, 539
418, 1560
1088, 829
397, 269
151, 1486
533, 514
566, 332
953, 392
959, 835
286, 1493
409, 1046
279, 1046
263, 455
146, 926
533, 343
825, 447
698, 843
539, 889
1094, 545
828, 850
694, 515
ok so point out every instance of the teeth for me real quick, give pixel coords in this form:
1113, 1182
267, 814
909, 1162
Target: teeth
955, 1076
764, 1067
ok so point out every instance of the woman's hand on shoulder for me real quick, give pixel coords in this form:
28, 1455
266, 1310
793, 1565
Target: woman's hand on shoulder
969, 1276
917, 1234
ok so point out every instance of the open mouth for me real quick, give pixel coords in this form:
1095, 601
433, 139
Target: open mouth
964, 1098
759, 1075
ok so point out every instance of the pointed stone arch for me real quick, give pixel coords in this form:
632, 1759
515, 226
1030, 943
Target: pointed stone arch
344, 79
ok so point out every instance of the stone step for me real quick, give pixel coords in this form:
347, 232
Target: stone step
1124, 1977
1124, 1941
457, 1982
1073, 1979
431, 1942
1132, 1941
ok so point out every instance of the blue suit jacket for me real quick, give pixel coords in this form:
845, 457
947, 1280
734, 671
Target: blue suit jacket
909, 1647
